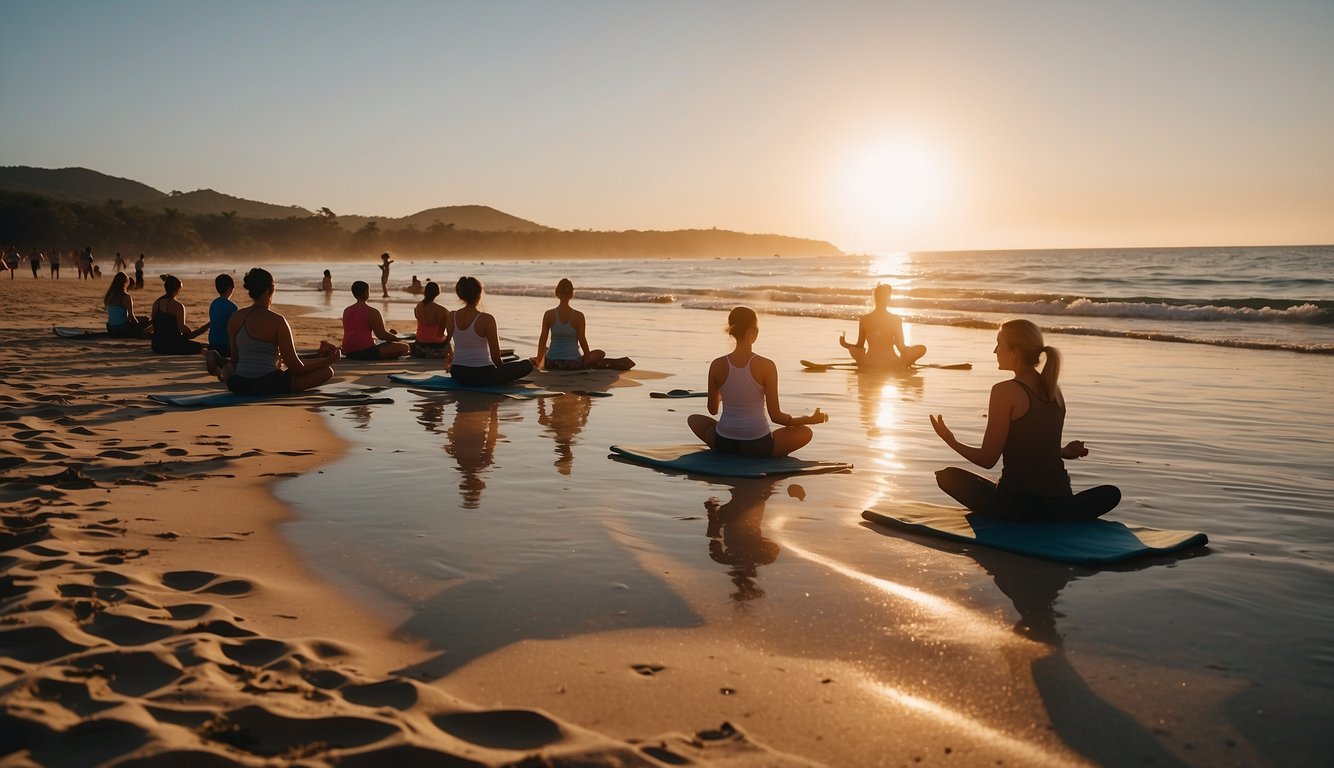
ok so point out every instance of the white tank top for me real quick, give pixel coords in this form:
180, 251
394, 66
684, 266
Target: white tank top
470, 349
743, 416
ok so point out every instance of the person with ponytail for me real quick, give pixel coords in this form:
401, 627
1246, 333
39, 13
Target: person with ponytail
746, 386
260, 338
476, 359
1024, 422
431, 322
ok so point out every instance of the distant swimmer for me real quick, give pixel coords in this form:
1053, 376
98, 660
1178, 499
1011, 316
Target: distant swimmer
564, 326
880, 341
326, 284
362, 325
1024, 422
476, 360
746, 385
385, 261
259, 340
432, 320
415, 287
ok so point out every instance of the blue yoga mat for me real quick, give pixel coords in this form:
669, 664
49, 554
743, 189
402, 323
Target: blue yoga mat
310, 397
698, 460
1082, 542
445, 383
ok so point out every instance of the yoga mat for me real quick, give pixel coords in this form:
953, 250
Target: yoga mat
852, 366
309, 397
77, 333
679, 393
445, 383
1082, 542
698, 460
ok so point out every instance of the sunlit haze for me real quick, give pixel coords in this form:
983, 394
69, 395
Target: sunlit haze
879, 126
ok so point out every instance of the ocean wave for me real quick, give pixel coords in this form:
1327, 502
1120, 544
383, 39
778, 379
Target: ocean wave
1315, 348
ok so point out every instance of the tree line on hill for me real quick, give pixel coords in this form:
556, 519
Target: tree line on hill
34, 221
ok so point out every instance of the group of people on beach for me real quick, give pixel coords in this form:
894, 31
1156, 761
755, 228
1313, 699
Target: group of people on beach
82, 261
253, 352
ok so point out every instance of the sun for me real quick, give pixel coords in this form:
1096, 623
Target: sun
896, 181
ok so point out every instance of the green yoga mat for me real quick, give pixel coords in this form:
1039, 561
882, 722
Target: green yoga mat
444, 383
310, 397
1082, 542
698, 460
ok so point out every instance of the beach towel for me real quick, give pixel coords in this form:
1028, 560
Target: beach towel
679, 393
76, 333
309, 397
444, 383
1081, 542
698, 460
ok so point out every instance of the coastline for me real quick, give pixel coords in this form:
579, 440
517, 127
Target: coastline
584, 603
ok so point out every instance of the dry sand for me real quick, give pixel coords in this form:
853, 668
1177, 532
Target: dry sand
153, 616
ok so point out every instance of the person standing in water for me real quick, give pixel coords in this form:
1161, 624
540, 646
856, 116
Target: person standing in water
880, 341
1024, 422
139, 272
746, 386
384, 274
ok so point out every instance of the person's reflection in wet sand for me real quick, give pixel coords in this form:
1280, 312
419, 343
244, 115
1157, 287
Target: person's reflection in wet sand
1086, 722
360, 415
879, 393
430, 413
564, 417
736, 538
472, 443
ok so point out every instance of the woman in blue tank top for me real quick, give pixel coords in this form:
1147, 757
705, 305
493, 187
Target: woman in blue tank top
746, 386
1024, 423
568, 349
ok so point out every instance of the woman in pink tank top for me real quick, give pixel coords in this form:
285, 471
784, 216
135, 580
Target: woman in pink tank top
362, 325
746, 385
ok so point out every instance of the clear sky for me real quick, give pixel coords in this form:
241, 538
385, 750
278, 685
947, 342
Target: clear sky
880, 126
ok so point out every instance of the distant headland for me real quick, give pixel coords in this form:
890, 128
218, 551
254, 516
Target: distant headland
69, 208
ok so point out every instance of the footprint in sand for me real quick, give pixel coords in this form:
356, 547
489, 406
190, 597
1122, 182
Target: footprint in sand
647, 670
117, 454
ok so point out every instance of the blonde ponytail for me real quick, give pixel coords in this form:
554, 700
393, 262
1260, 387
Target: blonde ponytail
1051, 370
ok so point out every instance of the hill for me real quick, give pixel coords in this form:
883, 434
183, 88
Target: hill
480, 218
206, 201
75, 185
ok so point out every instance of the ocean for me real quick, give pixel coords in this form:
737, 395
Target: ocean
1269, 298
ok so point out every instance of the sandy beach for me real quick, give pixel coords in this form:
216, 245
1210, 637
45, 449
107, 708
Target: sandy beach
452, 580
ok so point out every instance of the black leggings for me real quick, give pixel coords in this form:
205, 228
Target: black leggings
489, 375
984, 497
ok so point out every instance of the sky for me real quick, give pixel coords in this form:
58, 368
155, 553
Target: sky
879, 126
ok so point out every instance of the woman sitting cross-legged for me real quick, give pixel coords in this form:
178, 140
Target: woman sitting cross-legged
476, 361
260, 339
1024, 422
746, 385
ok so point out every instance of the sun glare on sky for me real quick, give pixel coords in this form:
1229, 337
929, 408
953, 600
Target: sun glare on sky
896, 181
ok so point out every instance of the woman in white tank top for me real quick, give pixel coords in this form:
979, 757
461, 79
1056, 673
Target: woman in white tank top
474, 360
746, 386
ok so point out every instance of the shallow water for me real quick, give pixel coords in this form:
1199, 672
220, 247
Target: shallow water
473, 522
